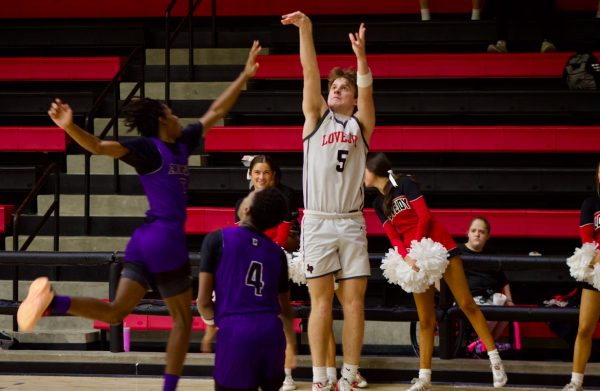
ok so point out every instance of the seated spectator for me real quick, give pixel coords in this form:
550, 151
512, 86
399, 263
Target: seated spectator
263, 173
506, 11
487, 287
425, 15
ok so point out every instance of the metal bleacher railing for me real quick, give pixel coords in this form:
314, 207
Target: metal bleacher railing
137, 56
447, 312
170, 37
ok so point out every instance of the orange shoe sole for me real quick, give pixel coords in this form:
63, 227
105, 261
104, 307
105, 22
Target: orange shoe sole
38, 299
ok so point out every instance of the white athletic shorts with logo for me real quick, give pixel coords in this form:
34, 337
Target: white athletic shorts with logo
336, 244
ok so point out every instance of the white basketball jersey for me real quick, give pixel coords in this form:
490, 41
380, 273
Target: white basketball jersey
335, 155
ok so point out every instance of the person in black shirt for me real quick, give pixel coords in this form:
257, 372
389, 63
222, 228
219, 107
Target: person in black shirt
484, 284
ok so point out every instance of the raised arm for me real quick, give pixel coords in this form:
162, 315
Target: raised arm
313, 103
366, 107
221, 106
62, 115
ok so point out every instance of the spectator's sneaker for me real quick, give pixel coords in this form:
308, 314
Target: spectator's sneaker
35, 304
547, 47
499, 47
288, 384
572, 387
321, 387
343, 385
6, 341
361, 382
500, 377
503, 346
419, 385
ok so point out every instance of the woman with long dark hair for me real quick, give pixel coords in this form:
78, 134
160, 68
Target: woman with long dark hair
263, 173
405, 217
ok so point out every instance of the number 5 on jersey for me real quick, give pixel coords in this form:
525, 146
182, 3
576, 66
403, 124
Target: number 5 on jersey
254, 277
341, 157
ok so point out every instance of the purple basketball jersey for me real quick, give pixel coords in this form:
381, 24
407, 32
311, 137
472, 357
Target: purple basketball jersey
166, 188
247, 278
160, 244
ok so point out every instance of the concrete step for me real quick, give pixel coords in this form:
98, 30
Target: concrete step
74, 243
54, 324
180, 90
98, 165
202, 56
58, 336
104, 165
100, 205
100, 124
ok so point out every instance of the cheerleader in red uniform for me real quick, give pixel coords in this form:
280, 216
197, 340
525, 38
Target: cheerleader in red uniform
405, 217
589, 310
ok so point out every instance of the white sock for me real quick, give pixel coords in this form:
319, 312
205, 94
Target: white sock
577, 379
425, 14
319, 375
425, 374
349, 372
331, 373
475, 14
494, 357
288, 371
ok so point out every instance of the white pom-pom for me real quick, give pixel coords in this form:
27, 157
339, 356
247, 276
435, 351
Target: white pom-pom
296, 267
579, 262
595, 278
398, 272
431, 257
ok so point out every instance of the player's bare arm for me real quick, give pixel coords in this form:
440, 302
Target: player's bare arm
221, 106
62, 115
313, 103
366, 106
206, 285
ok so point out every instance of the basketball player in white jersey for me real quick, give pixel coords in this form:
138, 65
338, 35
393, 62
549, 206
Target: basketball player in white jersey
336, 136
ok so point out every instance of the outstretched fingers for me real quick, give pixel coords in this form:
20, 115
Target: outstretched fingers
60, 112
251, 64
295, 18
357, 39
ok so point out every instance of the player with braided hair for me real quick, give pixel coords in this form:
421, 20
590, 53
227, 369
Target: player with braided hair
157, 252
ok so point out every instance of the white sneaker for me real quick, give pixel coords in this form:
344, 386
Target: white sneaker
419, 385
343, 385
500, 377
572, 387
361, 382
321, 387
499, 47
288, 384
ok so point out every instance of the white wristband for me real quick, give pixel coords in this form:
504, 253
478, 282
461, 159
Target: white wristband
364, 81
208, 322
